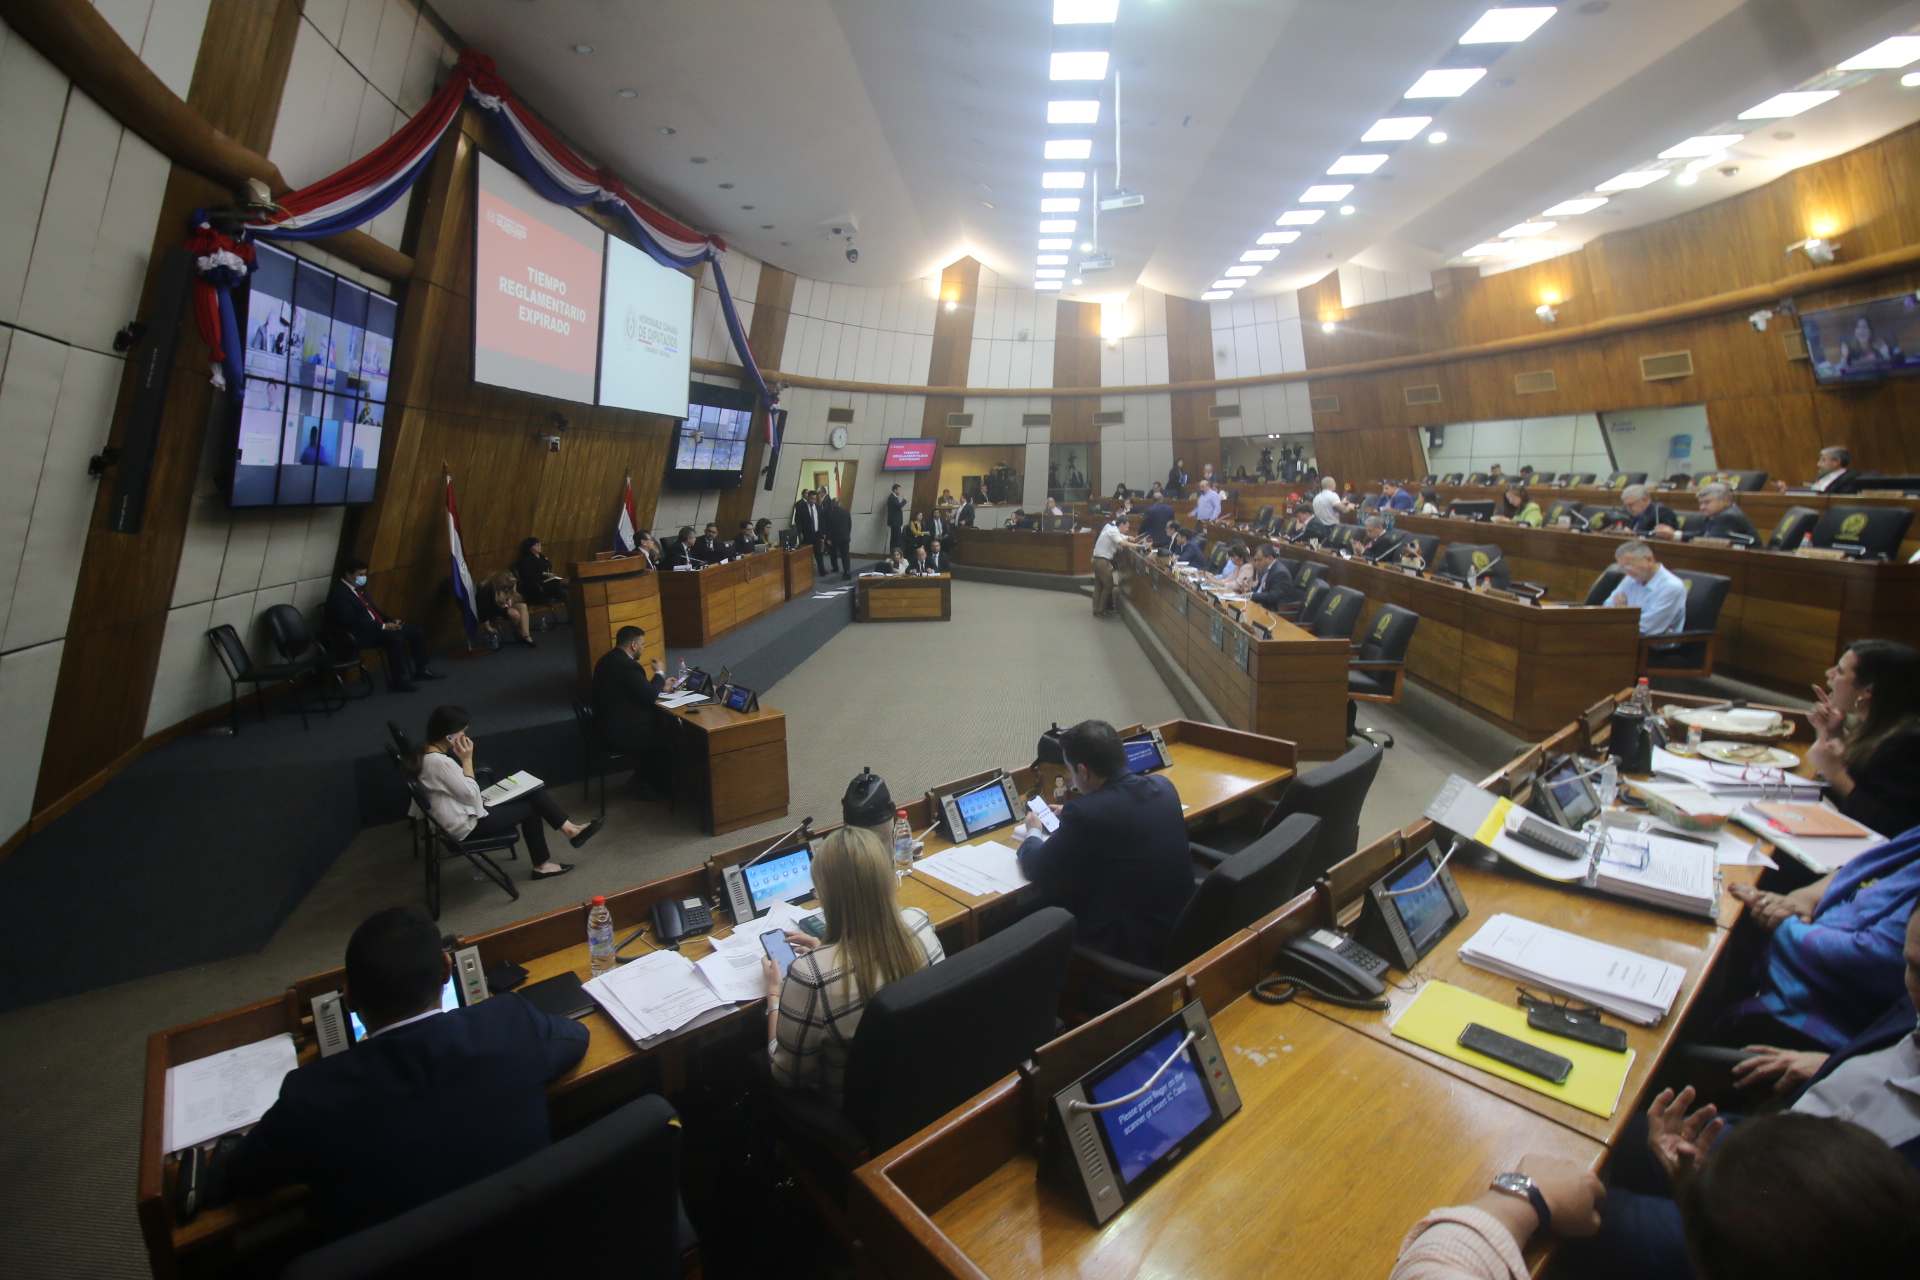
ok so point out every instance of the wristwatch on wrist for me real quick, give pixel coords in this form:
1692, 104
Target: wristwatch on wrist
1519, 1184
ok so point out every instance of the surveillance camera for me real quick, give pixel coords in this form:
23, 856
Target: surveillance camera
838, 230
853, 255
1546, 313
1728, 171
552, 443
1759, 320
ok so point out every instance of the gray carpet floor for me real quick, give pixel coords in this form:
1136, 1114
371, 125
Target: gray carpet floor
919, 702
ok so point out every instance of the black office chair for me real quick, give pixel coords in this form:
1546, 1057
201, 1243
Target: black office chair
1793, 526
1479, 478
1873, 532
1603, 587
1573, 481
1542, 478
1341, 537
1371, 502
288, 631
1680, 481
1339, 614
1690, 522
1452, 477
1217, 557
450, 847
600, 757
340, 658
1471, 509
242, 669
1424, 546
1232, 894
1468, 562
926, 1044
1312, 601
1745, 481
1334, 792
1569, 510
1689, 651
1621, 479
1263, 518
614, 1187
1379, 665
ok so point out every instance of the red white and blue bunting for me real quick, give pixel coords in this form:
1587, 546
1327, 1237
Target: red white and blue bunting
368, 187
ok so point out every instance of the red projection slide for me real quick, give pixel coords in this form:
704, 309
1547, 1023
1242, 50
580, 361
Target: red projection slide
536, 294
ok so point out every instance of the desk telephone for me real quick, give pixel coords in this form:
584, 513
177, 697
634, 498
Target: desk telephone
675, 918
1329, 965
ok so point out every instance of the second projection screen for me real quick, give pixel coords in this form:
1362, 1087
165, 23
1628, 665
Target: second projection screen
644, 349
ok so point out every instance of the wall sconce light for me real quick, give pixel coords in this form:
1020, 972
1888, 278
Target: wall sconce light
1327, 326
951, 305
1819, 250
1546, 313
1115, 323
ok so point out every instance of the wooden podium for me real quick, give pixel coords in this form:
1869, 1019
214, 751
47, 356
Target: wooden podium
604, 596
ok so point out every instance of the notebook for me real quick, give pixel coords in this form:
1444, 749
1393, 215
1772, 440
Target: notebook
1441, 1012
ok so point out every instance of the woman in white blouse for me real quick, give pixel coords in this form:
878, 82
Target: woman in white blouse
444, 764
813, 1013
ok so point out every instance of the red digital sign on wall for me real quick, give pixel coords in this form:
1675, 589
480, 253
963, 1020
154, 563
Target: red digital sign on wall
909, 455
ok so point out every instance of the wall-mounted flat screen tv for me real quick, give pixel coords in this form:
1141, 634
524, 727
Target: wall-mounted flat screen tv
319, 352
1864, 341
909, 455
710, 446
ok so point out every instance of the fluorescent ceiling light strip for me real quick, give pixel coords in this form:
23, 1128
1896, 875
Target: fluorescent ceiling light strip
1061, 243
1058, 225
1574, 208
1326, 194
1259, 255
1050, 260
1078, 66
1073, 111
1396, 128
1507, 26
1046, 284
1448, 82
1240, 272
1071, 11
1279, 237
1215, 295
1782, 105
1704, 144
1049, 273
1523, 229
1300, 217
1228, 284
1066, 179
1489, 249
1060, 204
1069, 148
1356, 164
1632, 180
1896, 52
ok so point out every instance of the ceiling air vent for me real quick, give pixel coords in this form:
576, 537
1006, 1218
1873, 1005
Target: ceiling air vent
1429, 394
1324, 404
1109, 418
959, 419
1668, 364
1036, 419
1530, 384
839, 415
1219, 411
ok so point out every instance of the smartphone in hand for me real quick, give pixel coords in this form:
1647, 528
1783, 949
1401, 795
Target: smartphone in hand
779, 950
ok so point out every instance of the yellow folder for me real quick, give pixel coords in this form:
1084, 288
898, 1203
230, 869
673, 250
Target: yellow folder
1441, 1012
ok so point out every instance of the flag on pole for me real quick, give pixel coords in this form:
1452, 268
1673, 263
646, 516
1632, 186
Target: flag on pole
626, 533
462, 579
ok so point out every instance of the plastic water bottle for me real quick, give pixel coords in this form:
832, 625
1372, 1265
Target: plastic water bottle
1643, 697
600, 937
902, 842
1806, 542
1609, 788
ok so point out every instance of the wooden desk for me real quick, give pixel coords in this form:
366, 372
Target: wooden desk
1525, 668
701, 605
1786, 618
906, 599
737, 764
1065, 553
799, 569
604, 596
1293, 686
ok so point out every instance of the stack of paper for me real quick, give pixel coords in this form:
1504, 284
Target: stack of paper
511, 788
1820, 853
983, 869
1481, 816
1635, 987
684, 698
1648, 867
224, 1091
1734, 780
733, 968
659, 993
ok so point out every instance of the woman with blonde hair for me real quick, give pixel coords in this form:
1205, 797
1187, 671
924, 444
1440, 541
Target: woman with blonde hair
500, 600
813, 1013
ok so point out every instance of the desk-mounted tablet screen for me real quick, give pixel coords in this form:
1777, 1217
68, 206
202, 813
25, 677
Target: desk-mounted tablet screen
1146, 752
449, 1001
983, 809
1567, 795
1411, 908
784, 877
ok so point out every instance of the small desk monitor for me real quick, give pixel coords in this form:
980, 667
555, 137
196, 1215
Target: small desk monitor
1408, 910
787, 876
1146, 752
449, 1001
1562, 796
984, 808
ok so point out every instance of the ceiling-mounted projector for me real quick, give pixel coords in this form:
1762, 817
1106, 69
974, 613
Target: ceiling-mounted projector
1101, 263
1123, 199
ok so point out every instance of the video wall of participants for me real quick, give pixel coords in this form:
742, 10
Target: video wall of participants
710, 446
319, 354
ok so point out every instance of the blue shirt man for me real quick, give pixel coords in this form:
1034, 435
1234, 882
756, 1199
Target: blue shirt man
1397, 497
1207, 505
1652, 588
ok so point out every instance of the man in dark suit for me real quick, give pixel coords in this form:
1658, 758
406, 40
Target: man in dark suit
896, 520
1833, 472
426, 1104
836, 535
682, 551
1192, 549
1119, 860
623, 696
744, 543
938, 526
964, 517
1272, 579
1153, 525
1725, 519
1643, 514
709, 547
807, 521
937, 559
350, 609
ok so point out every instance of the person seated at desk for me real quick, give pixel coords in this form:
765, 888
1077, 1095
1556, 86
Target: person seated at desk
1517, 508
499, 601
539, 584
1867, 735
914, 532
426, 1104
645, 547
1207, 506
1155, 493
1013, 521
814, 1012
352, 611
1832, 473
1189, 547
1651, 587
444, 764
1430, 502
682, 551
709, 547
1307, 525
1639, 513
1724, 518
1272, 580
1867, 1081
946, 502
894, 566
1375, 541
624, 694
1120, 491
1395, 496
1784, 1197
937, 558
1833, 962
1495, 476
1119, 860
919, 566
746, 541
939, 526
1237, 574
1053, 508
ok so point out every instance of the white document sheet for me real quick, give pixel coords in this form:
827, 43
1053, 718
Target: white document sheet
657, 993
225, 1091
1637, 987
511, 788
983, 869
734, 972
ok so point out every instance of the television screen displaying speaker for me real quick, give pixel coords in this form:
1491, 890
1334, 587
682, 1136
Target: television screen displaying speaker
710, 445
318, 357
1865, 341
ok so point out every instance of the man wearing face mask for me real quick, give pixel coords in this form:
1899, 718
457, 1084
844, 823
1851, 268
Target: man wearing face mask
353, 612
1119, 860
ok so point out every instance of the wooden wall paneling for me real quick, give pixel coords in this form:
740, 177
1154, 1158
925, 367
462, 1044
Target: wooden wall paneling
1196, 437
125, 583
767, 336
947, 367
1076, 363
